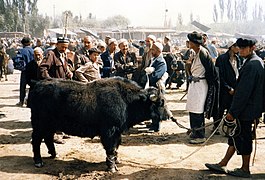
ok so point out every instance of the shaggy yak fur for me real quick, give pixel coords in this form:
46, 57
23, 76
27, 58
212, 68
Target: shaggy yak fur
104, 108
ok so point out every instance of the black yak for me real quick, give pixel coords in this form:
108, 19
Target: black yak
104, 108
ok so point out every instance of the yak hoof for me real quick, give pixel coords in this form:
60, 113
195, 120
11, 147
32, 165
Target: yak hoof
112, 169
117, 161
38, 164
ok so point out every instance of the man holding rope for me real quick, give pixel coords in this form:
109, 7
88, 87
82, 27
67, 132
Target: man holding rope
246, 109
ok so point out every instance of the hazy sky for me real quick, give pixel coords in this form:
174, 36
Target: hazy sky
139, 12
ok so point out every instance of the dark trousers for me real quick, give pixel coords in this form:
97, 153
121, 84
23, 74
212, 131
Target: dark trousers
197, 121
243, 141
218, 116
22, 88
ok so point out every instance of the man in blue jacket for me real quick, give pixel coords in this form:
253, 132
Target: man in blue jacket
245, 110
28, 55
108, 59
157, 76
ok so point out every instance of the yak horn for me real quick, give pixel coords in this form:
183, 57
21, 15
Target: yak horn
153, 97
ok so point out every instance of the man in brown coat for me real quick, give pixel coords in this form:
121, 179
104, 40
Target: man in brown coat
55, 65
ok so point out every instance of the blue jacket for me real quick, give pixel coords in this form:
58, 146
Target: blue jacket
27, 54
107, 64
160, 66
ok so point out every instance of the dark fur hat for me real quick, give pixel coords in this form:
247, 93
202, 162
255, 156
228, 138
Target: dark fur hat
195, 37
25, 41
247, 41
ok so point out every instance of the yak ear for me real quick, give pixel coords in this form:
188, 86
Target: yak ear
143, 95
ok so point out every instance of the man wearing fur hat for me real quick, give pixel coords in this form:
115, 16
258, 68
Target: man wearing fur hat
125, 61
202, 94
245, 110
228, 65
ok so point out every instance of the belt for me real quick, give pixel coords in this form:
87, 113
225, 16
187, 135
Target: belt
195, 79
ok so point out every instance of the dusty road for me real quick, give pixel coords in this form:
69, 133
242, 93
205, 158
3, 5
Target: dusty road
154, 156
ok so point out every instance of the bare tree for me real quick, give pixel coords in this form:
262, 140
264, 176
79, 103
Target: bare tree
260, 13
237, 12
215, 14
243, 8
222, 8
229, 10
191, 17
180, 19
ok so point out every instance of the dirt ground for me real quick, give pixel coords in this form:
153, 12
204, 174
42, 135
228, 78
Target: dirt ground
156, 156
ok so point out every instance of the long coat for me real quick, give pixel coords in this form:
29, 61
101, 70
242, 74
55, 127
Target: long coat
248, 99
227, 78
211, 106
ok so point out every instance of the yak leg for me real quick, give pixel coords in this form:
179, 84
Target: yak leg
36, 142
48, 139
111, 140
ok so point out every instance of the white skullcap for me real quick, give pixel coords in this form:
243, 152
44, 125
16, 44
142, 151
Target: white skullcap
38, 49
152, 37
101, 44
53, 40
123, 41
231, 42
167, 37
112, 40
159, 40
214, 39
159, 45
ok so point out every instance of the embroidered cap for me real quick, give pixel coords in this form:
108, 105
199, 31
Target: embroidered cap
62, 40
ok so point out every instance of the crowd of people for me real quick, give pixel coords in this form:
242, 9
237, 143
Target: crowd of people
218, 84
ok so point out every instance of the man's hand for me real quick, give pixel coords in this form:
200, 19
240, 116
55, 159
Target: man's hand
149, 70
229, 117
232, 91
69, 75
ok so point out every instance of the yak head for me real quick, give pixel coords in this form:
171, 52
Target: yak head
157, 102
